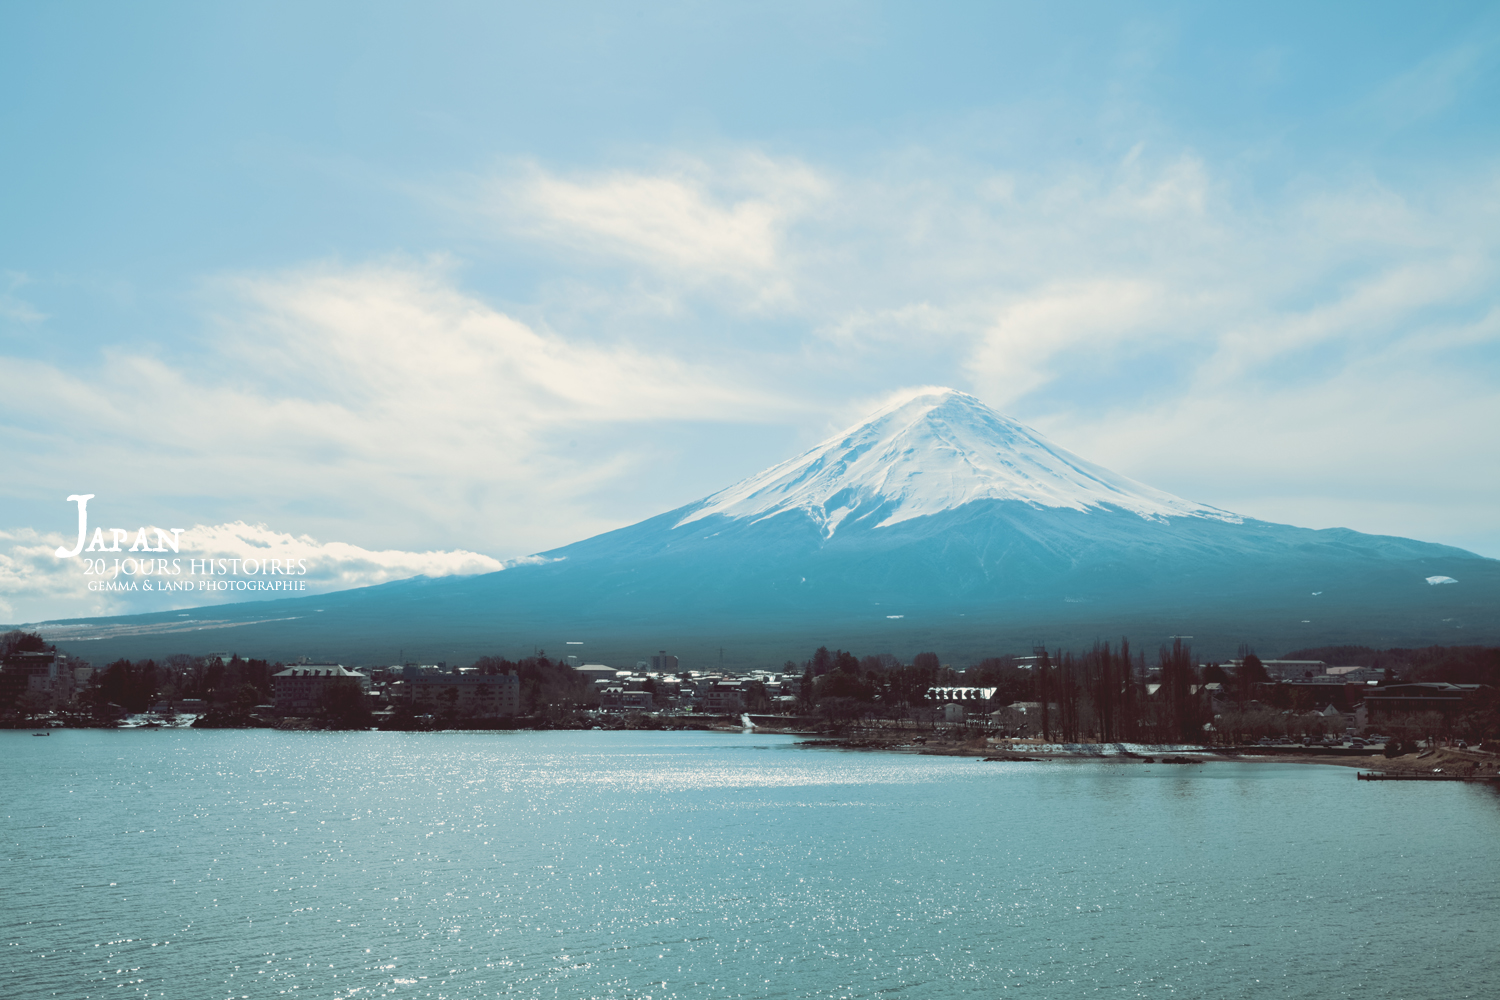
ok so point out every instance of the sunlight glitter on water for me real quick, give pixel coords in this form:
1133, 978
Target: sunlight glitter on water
680, 865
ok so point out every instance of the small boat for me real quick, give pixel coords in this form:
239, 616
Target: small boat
41, 734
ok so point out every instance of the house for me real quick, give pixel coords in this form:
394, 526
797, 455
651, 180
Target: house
1012, 718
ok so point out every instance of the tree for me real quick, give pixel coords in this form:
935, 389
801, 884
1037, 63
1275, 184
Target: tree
1184, 716
822, 661
1106, 688
1003, 673
22, 642
343, 705
547, 688
807, 691
1252, 670
132, 686
33, 703
846, 685
756, 699
1129, 728
1043, 670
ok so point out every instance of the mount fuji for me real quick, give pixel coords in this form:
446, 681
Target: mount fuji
935, 523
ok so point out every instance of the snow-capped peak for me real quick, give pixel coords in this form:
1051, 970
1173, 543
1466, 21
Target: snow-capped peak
930, 452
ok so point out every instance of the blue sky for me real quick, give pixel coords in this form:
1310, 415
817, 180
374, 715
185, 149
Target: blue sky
449, 284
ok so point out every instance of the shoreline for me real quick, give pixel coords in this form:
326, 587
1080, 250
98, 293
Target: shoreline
1447, 762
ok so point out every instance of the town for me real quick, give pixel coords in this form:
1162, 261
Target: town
1103, 695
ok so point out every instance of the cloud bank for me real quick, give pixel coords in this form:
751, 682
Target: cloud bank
35, 585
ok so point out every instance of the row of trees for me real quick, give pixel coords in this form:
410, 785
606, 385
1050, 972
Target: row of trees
135, 686
842, 687
1098, 695
1104, 694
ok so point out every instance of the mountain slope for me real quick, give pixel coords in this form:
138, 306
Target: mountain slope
935, 451
936, 523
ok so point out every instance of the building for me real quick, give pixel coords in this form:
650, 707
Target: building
1326, 688
723, 698
617, 698
1356, 675
302, 689
664, 661
47, 673
1287, 670
472, 696
596, 672
1012, 720
946, 694
1419, 698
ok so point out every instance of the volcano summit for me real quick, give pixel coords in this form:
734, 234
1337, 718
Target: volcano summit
936, 523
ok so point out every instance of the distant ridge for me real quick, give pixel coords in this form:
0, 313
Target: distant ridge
936, 523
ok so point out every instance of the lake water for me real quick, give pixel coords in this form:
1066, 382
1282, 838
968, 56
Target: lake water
257, 864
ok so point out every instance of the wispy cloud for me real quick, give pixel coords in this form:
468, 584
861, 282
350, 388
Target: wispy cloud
1017, 355
691, 223
373, 403
407, 339
12, 305
1437, 81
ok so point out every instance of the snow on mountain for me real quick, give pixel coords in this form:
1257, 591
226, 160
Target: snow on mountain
931, 452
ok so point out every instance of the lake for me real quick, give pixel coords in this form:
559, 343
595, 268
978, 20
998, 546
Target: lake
182, 863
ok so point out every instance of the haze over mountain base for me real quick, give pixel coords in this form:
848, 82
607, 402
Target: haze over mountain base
363, 631
935, 525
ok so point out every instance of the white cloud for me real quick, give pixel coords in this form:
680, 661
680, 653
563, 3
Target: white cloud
1391, 443
405, 338
1436, 82
36, 585
691, 224
377, 404
666, 219
1017, 355
12, 306
33, 583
